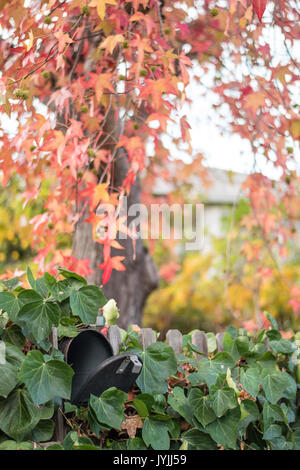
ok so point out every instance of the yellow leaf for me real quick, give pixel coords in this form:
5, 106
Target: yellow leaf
295, 128
101, 6
255, 100
100, 194
111, 42
29, 42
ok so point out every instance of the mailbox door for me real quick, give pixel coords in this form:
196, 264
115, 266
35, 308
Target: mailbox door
119, 371
84, 354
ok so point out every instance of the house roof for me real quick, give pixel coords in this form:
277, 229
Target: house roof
225, 186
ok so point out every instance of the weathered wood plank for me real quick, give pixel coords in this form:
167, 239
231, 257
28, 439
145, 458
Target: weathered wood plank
114, 337
53, 337
219, 338
60, 428
174, 339
200, 341
147, 336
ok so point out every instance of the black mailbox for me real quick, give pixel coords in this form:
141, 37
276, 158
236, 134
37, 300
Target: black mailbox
90, 354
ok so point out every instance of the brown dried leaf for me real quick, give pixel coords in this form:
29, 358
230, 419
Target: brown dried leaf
131, 424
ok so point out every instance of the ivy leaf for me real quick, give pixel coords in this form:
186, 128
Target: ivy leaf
14, 335
8, 378
143, 404
199, 440
273, 335
11, 284
30, 277
224, 430
243, 345
60, 290
159, 363
75, 442
39, 315
85, 303
250, 380
209, 370
43, 431
9, 303
274, 430
274, 383
13, 355
271, 320
249, 414
13, 445
201, 407
272, 413
155, 433
67, 331
109, 407
222, 361
179, 402
47, 410
230, 346
207, 373
291, 390
223, 400
281, 443
41, 287
69, 274
45, 380
136, 444
18, 415
297, 439
268, 361
283, 346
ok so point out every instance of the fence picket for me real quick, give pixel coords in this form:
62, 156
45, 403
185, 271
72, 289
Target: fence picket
174, 339
219, 338
114, 337
147, 336
200, 341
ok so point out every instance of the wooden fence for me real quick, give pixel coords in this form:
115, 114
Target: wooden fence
147, 336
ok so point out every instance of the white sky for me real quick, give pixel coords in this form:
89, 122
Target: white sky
211, 135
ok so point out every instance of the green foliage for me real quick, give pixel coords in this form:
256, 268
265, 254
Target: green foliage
108, 409
244, 397
159, 363
45, 379
30, 383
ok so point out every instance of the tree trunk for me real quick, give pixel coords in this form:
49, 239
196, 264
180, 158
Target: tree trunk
129, 288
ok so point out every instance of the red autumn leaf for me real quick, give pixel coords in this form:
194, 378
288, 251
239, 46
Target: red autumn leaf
109, 265
259, 7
